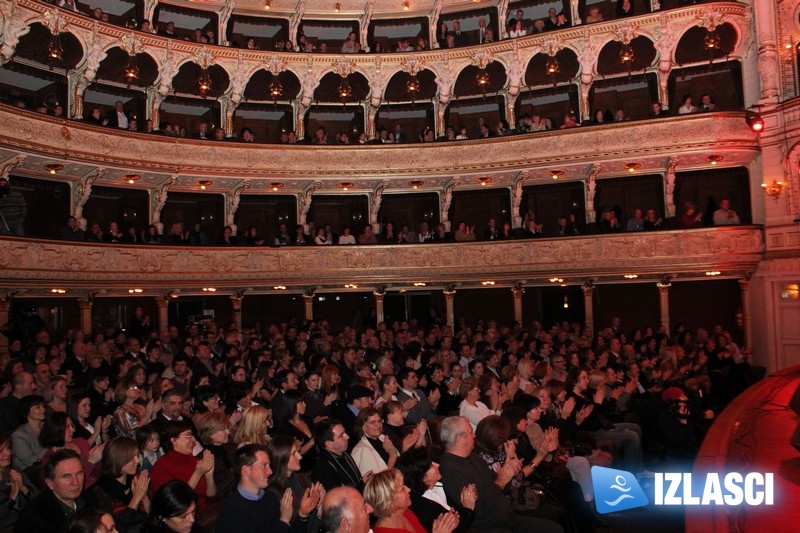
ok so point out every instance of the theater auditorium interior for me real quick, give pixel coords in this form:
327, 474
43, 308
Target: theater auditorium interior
224, 200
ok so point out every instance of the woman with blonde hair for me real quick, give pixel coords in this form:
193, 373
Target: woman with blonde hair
252, 428
390, 499
55, 394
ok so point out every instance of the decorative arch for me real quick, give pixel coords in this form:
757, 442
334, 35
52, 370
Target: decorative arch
466, 84
185, 81
256, 88
691, 47
34, 46
536, 71
608, 60
112, 68
327, 90
396, 87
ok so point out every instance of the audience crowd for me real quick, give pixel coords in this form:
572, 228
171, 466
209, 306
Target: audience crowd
611, 221
441, 429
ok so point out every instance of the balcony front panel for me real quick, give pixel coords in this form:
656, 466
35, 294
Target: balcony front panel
731, 250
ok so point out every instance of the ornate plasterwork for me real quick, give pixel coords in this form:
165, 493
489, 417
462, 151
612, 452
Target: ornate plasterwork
37, 263
35, 133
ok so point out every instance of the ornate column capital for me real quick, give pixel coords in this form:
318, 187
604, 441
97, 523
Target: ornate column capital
518, 289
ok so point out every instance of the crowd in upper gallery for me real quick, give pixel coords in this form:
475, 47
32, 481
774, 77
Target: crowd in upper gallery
121, 119
447, 36
611, 221
135, 429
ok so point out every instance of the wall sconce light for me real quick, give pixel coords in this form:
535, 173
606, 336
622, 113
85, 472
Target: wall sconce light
714, 158
555, 174
632, 167
267, 4
132, 178
416, 184
52, 168
346, 185
406, 5
712, 40
773, 190
337, 7
204, 184
276, 186
487, 283
484, 181
755, 121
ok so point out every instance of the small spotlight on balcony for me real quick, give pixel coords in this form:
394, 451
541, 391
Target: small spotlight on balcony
755, 121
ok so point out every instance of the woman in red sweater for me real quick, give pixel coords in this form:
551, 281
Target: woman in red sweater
179, 463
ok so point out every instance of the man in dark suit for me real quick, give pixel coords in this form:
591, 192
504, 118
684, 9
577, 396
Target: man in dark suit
358, 398
334, 467
50, 511
460, 37
409, 389
116, 118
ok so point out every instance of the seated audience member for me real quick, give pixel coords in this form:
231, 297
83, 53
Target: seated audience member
374, 452
656, 110
624, 8
173, 510
344, 510
92, 520
367, 236
725, 216
464, 232
121, 490
687, 107
620, 116
570, 121
335, 467
202, 132
594, 15
348, 47
636, 222
50, 511
691, 217
568, 226
532, 229
346, 237
428, 500
25, 439
610, 222
58, 433
389, 498
251, 508
551, 20
561, 21
179, 463
707, 103
461, 467
212, 429
442, 235
15, 493
518, 30
653, 221
71, 231
472, 409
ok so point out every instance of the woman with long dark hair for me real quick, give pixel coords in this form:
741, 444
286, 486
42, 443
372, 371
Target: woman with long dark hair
173, 510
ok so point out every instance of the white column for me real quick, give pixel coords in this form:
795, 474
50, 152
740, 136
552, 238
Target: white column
767, 50
449, 294
518, 290
744, 288
588, 304
663, 295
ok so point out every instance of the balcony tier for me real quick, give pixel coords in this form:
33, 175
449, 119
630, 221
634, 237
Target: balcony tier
40, 265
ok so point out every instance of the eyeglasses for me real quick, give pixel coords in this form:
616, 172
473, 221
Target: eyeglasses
189, 436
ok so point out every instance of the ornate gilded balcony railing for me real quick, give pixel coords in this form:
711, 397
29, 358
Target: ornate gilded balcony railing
36, 266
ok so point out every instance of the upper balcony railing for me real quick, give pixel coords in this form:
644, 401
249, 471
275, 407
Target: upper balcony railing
40, 265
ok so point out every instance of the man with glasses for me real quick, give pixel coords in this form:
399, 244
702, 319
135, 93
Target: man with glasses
252, 508
335, 467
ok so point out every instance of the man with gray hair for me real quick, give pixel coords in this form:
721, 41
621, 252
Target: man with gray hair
461, 466
344, 509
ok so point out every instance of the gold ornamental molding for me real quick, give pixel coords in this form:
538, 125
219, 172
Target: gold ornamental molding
34, 133
31, 263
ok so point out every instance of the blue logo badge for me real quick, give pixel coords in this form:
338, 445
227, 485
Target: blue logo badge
616, 490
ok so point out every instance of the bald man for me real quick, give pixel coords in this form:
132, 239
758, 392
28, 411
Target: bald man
344, 509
